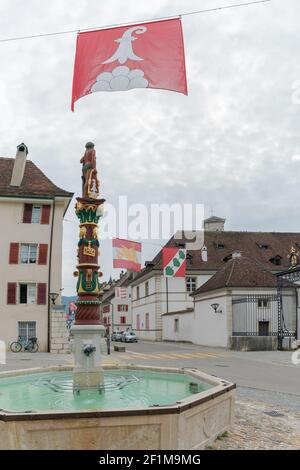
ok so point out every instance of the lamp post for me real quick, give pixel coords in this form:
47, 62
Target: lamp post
53, 296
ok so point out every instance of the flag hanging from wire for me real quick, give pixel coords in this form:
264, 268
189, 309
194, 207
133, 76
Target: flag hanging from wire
127, 254
146, 55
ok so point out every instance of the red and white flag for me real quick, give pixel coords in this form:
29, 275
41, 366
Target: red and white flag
127, 254
121, 292
147, 55
174, 262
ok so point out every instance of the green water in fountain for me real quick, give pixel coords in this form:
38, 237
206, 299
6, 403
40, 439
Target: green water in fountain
123, 389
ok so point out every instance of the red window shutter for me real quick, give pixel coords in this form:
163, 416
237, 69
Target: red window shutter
43, 252
126, 308
46, 209
41, 293
11, 293
27, 214
14, 253
119, 308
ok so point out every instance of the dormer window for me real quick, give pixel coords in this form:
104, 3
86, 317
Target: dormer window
276, 260
263, 246
189, 259
220, 246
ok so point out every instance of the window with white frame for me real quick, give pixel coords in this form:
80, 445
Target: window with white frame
27, 329
191, 284
137, 292
36, 215
28, 253
27, 293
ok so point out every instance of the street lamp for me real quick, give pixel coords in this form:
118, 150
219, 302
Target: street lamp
53, 296
215, 308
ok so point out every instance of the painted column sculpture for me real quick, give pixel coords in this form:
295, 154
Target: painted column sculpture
88, 330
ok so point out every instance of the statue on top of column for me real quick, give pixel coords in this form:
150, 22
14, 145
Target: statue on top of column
90, 182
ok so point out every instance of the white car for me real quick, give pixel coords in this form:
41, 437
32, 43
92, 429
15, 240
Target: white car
129, 337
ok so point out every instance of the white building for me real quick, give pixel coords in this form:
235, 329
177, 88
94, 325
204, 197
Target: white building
31, 210
236, 308
153, 299
116, 311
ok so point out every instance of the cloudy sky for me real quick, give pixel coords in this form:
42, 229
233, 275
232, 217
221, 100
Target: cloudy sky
233, 144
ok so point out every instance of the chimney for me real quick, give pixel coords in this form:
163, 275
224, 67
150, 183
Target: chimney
19, 165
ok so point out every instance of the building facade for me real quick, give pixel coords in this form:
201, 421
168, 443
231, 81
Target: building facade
153, 300
236, 308
116, 310
32, 210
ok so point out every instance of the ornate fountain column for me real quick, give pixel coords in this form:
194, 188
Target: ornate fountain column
88, 330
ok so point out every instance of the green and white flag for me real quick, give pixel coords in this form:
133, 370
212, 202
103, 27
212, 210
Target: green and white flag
174, 262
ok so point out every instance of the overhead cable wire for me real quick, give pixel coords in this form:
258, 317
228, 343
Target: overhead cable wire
73, 31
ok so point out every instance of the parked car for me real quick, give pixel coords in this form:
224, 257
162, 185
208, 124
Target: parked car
129, 337
117, 335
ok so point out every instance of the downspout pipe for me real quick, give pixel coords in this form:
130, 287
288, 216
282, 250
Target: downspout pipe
49, 276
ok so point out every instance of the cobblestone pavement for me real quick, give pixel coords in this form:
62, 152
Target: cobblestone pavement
255, 430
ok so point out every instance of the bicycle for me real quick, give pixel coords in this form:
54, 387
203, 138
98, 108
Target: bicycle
30, 345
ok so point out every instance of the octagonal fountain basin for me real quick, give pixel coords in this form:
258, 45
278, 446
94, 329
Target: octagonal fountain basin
140, 408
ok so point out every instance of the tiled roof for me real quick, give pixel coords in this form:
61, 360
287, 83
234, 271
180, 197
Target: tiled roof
34, 182
241, 272
261, 246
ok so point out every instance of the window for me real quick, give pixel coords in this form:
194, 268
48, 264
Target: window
138, 322
27, 294
276, 260
137, 292
122, 308
36, 215
263, 328
176, 325
220, 246
27, 329
28, 254
147, 323
146, 288
123, 320
189, 259
263, 303
191, 284
263, 246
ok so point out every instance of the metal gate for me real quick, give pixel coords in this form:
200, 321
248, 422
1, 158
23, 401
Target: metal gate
287, 327
255, 315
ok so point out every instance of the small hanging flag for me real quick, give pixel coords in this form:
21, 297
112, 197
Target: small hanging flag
148, 55
127, 254
121, 293
174, 262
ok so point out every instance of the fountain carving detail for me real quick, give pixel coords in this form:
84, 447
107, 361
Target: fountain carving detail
88, 330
